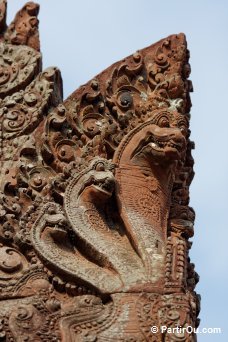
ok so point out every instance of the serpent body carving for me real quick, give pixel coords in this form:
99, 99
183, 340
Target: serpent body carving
129, 251
94, 194
146, 161
49, 236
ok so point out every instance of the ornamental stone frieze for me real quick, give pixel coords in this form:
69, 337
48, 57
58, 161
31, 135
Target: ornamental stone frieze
95, 219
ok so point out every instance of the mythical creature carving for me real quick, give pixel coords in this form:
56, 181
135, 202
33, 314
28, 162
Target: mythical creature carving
94, 192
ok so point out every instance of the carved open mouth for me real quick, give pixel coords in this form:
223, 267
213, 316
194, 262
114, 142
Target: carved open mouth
168, 145
162, 145
107, 186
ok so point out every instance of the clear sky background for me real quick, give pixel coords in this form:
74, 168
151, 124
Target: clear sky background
82, 37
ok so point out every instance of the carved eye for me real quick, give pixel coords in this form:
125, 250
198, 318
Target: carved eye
125, 100
163, 122
100, 167
183, 127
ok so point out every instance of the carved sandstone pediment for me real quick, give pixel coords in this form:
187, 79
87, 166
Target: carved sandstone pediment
94, 193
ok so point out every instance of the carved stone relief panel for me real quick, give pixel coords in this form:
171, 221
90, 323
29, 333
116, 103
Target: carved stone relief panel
94, 195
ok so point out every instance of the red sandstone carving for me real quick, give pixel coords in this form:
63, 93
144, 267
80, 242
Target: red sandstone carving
94, 193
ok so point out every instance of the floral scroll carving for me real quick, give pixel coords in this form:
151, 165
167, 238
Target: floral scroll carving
95, 223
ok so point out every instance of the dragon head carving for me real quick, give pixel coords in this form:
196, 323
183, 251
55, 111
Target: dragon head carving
162, 144
158, 141
98, 183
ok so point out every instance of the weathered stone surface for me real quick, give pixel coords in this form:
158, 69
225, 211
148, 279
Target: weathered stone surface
94, 193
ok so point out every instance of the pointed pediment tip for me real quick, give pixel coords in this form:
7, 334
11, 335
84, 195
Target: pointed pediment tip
23, 30
182, 36
32, 8
173, 39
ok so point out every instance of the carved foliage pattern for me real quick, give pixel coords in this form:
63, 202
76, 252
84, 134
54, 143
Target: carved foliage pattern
56, 189
18, 66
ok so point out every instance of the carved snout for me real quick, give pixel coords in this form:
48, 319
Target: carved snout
171, 138
100, 185
169, 133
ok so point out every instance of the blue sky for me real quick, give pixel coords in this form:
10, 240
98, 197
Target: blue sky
84, 37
